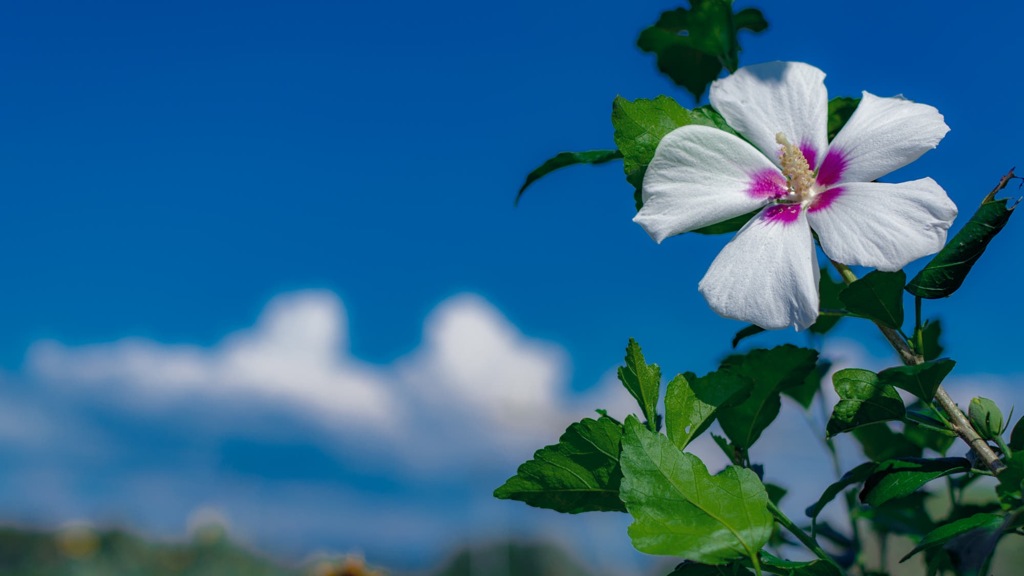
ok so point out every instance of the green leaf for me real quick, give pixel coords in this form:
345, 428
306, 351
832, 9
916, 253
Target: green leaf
691, 402
1017, 436
639, 127
777, 565
863, 400
879, 442
708, 116
947, 270
921, 380
745, 333
772, 372
828, 292
692, 46
906, 515
930, 333
903, 476
579, 474
805, 392
946, 532
697, 569
877, 296
971, 550
563, 159
679, 509
1011, 482
926, 432
839, 111
854, 476
643, 381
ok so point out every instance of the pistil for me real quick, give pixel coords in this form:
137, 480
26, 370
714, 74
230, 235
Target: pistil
798, 172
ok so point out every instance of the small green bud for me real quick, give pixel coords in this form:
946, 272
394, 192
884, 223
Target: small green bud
986, 417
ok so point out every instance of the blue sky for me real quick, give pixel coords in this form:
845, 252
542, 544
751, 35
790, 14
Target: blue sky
215, 181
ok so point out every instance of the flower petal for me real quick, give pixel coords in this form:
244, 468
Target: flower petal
762, 100
883, 226
701, 176
768, 274
884, 134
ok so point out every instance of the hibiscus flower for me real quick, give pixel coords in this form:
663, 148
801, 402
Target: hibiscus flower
803, 185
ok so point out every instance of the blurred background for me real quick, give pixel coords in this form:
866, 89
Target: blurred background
268, 301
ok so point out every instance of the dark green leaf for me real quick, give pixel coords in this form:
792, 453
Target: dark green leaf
921, 380
1011, 482
642, 380
926, 432
691, 402
879, 442
971, 550
563, 159
948, 269
854, 476
903, 476
771, 371
679, 509
708, 116
639, 127
878, 296
777, 565
692, 46
828, 292
775, 493
839, 111
906, 515
695, 569
863, 400
805, 392
579, 474
1017, 436
930, 333
746, 333
947, 532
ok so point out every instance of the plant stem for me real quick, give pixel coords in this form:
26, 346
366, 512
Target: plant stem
802, 536
958, 421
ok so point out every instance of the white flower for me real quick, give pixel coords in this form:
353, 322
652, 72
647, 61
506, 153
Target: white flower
768, 273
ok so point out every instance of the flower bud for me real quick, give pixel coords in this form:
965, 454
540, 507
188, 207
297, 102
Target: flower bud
986, 417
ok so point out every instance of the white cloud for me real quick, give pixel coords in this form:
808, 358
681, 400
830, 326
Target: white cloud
475, 394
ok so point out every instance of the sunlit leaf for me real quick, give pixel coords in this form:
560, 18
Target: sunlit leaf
679, 509
691, 402
579, 474
642, 380
639, 127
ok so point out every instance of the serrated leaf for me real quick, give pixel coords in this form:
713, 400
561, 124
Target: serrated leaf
708, 116
642, 380
805, 392
691, 402
579, 474
679, 509
921, 380
772, 372
863, 400
851, 477
563, 159
639, 127
877, 296
903, 476
693, 45
777, 565
946, 271
946, 532
839, 111
828, 295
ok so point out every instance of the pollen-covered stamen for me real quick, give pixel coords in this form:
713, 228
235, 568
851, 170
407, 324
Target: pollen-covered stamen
794, 166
